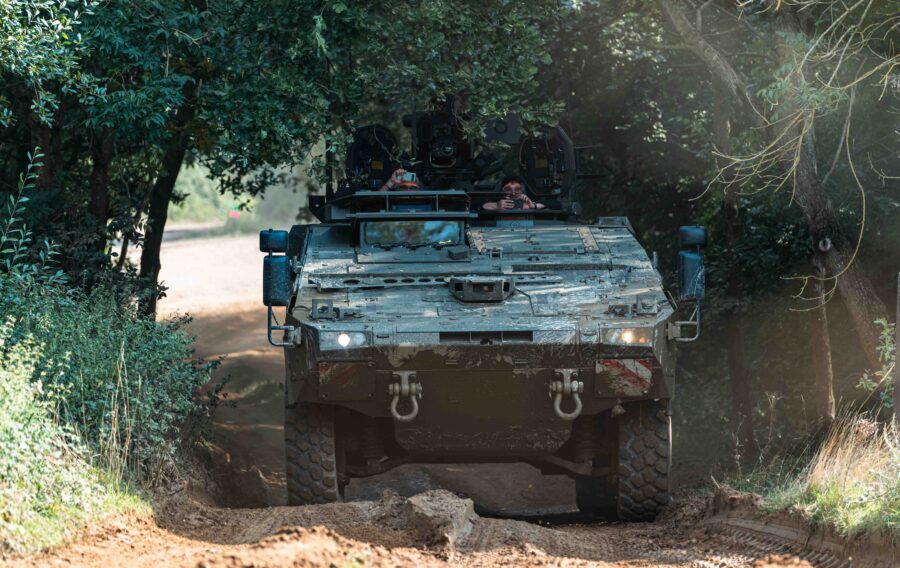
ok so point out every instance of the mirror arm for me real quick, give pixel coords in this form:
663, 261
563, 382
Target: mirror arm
693, 321
292, 331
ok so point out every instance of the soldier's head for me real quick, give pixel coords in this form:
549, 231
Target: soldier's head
513, 186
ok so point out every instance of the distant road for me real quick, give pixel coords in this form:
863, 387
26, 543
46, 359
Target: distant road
207, 274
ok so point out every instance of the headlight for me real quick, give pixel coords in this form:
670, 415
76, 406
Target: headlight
641, 336
342, 339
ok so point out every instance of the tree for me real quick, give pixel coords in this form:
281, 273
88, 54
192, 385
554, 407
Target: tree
789, 157
248, 90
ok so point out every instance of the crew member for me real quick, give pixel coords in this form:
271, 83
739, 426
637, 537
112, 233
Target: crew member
513, 192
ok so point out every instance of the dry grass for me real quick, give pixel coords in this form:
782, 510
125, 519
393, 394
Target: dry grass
852, 481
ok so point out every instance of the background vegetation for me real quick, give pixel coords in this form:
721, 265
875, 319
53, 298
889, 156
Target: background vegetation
202, 208
95, 396
772, 122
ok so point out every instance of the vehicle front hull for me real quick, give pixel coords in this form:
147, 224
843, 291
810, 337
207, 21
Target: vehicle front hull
480, 402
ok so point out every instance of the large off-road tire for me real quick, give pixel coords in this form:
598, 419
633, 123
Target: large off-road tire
310, 456
644, 460
639, 442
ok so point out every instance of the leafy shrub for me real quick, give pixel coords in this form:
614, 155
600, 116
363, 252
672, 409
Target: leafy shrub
881, 381
124, 383
89, 391
44, 476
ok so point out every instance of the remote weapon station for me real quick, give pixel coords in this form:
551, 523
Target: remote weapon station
422, 327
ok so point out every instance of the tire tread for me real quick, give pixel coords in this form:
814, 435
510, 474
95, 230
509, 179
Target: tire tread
644, 465
309, 454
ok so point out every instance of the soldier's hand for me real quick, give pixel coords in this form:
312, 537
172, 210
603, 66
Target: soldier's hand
395, 178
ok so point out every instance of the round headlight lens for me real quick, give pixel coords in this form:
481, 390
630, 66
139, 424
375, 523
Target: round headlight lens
343, 339
627, 336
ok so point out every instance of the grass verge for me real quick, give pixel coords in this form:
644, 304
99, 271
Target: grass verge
850, 480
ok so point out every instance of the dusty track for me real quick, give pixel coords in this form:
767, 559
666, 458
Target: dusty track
217, 280
395, 531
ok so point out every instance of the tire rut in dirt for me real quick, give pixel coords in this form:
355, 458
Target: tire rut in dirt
645, 449
309, 448
740, 546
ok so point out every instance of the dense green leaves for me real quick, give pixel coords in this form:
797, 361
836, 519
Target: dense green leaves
40, 45
44, 476
254, 89
487, 53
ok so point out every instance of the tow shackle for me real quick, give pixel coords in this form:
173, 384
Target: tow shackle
568, 386
405, 388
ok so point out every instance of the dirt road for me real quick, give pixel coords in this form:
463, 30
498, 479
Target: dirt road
432, 529
412, 516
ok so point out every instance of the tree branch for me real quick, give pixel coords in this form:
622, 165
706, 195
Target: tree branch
719, 66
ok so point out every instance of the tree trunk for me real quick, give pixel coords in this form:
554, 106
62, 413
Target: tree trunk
98, 207
739, 376
820, 340
854, 286
157, 215
161, 195
49, 138
816, 207
859, 296
857, 293
856, 290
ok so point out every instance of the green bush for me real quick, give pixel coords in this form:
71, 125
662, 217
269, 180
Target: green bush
45, 480
125, 384
91, 393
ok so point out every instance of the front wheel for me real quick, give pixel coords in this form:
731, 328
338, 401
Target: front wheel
637, 444
644, 460
310, 456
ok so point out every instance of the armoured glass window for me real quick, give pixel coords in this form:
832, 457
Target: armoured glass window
414, 232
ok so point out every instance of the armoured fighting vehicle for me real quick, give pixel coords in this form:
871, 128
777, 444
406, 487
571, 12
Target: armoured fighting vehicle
421, 327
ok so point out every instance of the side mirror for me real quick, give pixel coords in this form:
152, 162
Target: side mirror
691, 273
692, 236
276, 281
273, 241
276, 269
